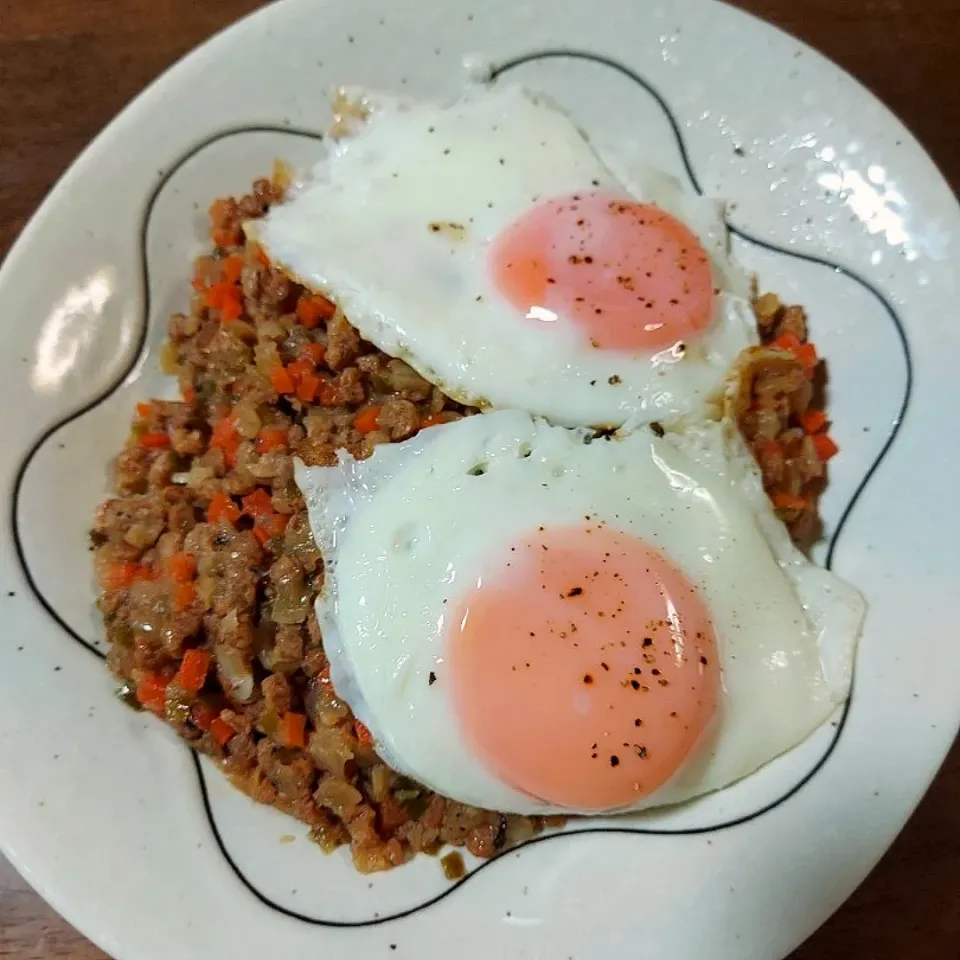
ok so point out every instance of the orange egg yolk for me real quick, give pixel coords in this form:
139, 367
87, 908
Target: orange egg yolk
583, 667
629, 276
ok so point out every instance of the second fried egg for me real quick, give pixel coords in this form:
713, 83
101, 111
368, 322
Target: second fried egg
531, 622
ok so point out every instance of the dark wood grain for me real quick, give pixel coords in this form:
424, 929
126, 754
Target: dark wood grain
67, 66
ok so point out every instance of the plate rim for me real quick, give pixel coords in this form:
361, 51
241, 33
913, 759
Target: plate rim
155, 89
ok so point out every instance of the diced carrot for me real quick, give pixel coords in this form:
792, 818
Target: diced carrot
315, 351
813, 421
363, 735
806, 353
144, 410
219, 210
786, 341
181, 566
222, 508
154, 441
311, 310
281, 380
204, 715
225, 297
270, 526
300, 368
293, 730
183, 595
229, 446
787, 501
221, 731
152, 692
192, 674
434, 420
198, 284
308, 386
258, 503
223, 237
367, 420
825, 447
232, 307
190, 395
262, 257
214, 297
225, 437
231, 268
120, 576
270, 438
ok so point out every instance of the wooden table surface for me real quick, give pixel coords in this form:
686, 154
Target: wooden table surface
67, 66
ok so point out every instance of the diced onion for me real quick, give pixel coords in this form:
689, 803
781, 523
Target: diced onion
235, 674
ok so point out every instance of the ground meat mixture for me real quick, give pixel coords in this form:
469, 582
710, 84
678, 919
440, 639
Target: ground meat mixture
778, 406
208, 571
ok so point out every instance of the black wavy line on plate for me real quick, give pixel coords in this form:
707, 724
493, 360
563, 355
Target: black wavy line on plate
737, 231
646, 85
121, 378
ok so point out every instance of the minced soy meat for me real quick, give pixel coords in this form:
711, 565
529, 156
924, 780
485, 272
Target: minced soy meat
208, 571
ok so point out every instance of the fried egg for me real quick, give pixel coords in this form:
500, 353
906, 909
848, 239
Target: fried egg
489, 245
533, 619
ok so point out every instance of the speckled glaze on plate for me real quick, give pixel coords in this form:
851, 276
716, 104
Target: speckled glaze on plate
148, 851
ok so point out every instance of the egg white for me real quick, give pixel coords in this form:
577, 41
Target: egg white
406, 531
359, 230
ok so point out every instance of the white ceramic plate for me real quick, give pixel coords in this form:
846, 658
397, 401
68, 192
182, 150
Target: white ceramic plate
833, 203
